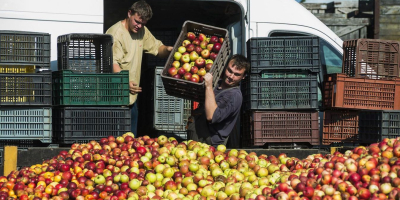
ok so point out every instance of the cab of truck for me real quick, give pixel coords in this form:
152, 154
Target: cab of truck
244, 19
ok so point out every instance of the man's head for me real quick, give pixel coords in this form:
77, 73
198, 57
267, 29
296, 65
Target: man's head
138, 15
236, 70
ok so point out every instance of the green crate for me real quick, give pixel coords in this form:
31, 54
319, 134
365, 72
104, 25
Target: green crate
90, 89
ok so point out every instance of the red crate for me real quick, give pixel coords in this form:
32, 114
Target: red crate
187, 89
371, 58
260, 127
340, 126
341, 91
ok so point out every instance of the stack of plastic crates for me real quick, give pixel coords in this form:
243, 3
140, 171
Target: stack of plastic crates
25, 96
163, 114
90, 101
280, 95
363, 103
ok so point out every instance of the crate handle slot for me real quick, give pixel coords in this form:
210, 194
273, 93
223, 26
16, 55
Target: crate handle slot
180, 82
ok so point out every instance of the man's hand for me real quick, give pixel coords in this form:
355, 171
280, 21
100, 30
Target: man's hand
208, 78
164, 51
134, 88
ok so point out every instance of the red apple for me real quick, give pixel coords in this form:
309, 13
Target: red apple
213, 39
172, 71
216, 47
205, 53
200, 62
187, 76
213, 56
191, 36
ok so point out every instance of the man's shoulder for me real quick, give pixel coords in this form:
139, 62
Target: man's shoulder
114, 29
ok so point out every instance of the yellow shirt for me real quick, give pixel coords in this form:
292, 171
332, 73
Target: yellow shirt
128, 50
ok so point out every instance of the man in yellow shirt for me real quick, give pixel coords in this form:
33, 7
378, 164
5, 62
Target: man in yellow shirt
131, 38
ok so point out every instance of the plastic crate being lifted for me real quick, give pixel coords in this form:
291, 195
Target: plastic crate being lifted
341, 91
19, 123
19, 89
25, 48
280, 89
260, 127
85, 53
300, 52
187, 89
78, 124
377, 125
71, 88
371, 58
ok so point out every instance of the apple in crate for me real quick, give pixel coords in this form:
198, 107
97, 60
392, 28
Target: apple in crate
181, 71
196, 42
213, 39
198, 49
191, 36
189, 47
208, 67
177, 55
221, 40
205, 53
182, 49
216, 47
185, 43
177, 76
186, 67
202, 37
195, 78
172, 71
203, 44
210, 47
187, 76
200, 62
176, 64
194, 70
193, 56
213, 56
185, 58
201, 72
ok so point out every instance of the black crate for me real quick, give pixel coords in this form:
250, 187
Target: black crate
76, 124
21, 47
168, 38
34, 89
187, 89
378, 125
85, 53
280, 89
301, 52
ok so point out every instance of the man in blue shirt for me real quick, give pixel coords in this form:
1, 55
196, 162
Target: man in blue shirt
215, 119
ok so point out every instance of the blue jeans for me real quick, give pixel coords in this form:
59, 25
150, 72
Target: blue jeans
134, 118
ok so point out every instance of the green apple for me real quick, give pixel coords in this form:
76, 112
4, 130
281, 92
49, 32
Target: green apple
144, 159
171, 160
134, 184
182, 49
159, 168
117, 178
161, 159
99, 179
177, 56
151, 177
124, 178
221, 148
185, 58
159, 177
150, 188
193, 167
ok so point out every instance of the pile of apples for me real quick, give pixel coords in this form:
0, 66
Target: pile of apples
195, 57
147, 168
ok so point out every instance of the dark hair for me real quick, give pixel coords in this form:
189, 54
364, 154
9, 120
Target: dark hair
143, 9
240, 62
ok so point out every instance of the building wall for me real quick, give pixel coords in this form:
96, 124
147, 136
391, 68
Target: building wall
389, 20
56, 17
